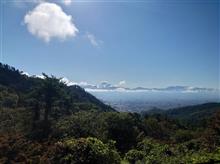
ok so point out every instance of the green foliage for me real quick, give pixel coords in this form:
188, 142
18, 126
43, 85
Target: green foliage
26, 88
85, 150
133, 156
154, 152
80, 124
160, 127
45, 121
48, 99
183, 135
8, 98
14, 120
103, 125
197, 115
121, 127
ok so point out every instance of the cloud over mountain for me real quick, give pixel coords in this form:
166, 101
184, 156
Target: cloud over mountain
123, 82
105, 86
48, 20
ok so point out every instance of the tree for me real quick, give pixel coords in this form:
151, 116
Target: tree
51, 89
122, 127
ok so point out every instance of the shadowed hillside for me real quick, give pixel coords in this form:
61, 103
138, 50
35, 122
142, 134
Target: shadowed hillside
13, 82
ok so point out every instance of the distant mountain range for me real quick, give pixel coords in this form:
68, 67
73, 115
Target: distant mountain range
105, 86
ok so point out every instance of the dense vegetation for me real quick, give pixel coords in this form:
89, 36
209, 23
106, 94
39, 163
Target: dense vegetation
45, 121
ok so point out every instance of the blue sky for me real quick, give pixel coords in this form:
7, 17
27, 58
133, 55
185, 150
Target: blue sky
145, 43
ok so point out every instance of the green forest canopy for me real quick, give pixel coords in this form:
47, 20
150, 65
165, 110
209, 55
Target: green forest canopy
45, 121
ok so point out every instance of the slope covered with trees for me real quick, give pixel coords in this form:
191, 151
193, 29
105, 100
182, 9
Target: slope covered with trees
196, 114
45, 121
17, 84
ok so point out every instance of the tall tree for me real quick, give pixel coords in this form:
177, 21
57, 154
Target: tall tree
50, 91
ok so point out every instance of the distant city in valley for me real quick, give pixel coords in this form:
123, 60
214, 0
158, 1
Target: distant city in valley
140, 99
147, 100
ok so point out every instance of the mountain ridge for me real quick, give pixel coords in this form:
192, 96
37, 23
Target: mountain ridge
21, 84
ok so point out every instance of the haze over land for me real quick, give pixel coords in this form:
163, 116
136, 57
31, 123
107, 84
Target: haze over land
140, 99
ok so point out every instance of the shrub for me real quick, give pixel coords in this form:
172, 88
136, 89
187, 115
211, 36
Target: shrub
134, 155
85, 150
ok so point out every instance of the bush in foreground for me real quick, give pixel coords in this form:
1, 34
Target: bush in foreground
85, 150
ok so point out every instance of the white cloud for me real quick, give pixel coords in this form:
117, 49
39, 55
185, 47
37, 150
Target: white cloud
39, 76
48, 20
93, 40
25, 73
68, 82
123, 82
67, 2
83, 83
105, 86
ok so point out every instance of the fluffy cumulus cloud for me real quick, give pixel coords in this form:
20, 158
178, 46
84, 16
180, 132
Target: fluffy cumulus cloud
48, 20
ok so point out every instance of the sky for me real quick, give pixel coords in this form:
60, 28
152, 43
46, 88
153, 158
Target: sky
132, 43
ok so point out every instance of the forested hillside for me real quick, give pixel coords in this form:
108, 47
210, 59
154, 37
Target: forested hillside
45, 121
196, 115
23, 89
